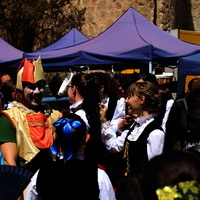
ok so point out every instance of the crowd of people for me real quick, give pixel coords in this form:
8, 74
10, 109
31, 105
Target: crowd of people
118, 140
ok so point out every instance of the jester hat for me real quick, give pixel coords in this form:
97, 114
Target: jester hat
29, 71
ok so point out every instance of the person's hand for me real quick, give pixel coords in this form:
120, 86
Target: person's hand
103, 110
126, 122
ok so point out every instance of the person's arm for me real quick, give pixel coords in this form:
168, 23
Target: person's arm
111, 136
168, 108
9, 153
122, 123
8, 145
105, 186
110, 139
126, 123
155, 143
120, 110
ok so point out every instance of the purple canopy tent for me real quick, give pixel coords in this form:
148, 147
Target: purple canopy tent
10, 57
110, 47
132, 38
73, 37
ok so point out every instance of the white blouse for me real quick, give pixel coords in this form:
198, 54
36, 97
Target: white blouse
106, 191
80, 113
115, 143
168, 108
119, 113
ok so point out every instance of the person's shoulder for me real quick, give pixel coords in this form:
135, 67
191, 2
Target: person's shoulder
180, 99
56, 112
6, 122
170, 101
179, 102
121, 100
3, 116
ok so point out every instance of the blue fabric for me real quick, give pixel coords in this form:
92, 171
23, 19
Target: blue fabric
64, 132
188, 65
132, 38
1, 159
10, 57
73, 37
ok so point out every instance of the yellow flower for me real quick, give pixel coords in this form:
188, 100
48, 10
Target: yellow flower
189, 186
168, 193
194, 190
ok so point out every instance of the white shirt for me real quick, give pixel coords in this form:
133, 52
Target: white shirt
106, 191
80, 113
165, 118
119, 113
115, 143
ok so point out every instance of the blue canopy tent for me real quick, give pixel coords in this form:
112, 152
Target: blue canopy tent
132, 38
110, 47
10, 57
73, 37
189, 65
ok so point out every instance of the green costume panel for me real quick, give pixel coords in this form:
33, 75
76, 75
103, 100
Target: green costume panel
7, 131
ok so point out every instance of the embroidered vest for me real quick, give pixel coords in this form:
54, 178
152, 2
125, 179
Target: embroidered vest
34, 131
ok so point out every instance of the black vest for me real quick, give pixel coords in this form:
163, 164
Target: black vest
137, 150
75, 180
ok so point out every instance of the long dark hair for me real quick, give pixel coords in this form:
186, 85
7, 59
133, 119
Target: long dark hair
88, 86
108, 81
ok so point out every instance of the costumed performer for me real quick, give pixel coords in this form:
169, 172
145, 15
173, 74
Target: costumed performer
27, 127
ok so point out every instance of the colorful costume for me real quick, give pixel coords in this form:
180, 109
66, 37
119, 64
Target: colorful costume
33, 130
30, 129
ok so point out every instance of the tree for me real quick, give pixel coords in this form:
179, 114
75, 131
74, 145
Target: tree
33, 25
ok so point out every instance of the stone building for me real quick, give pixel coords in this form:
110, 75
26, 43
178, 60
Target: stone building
33, 25
166, 14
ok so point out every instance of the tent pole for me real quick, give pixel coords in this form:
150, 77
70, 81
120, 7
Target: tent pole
150, 67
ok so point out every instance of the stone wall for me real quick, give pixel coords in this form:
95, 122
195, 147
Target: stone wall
196, 14
166, 14
100, 14
31, 29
